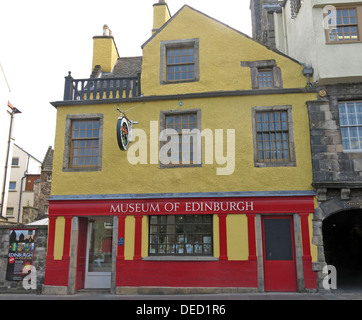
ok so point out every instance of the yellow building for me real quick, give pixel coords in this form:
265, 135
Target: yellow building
185, 170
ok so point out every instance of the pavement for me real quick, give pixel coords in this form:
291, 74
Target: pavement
339, 294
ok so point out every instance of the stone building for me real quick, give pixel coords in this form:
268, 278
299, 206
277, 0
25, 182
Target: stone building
262, 20
326, 37
42, 186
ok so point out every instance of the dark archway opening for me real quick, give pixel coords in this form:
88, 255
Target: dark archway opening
342, 237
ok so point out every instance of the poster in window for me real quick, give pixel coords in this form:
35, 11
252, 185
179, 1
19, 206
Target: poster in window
21, 254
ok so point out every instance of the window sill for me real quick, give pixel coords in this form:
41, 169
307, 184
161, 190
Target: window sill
180, 258
352, 151
85, 169
275, 164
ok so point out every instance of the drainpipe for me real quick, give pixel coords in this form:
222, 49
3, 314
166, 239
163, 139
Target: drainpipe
14, 111
21, 187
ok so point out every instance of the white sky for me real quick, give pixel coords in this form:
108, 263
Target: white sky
41, 40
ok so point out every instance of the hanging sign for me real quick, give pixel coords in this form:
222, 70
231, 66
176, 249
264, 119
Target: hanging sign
123, 131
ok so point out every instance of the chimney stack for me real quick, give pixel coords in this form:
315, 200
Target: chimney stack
105, 53
161, 14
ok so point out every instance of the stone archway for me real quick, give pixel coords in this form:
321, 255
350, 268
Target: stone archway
342, 242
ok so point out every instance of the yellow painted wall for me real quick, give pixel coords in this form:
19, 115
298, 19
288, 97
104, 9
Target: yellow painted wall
220, 69
313, 248
237, 237
145, 231
149, 178
59, 238
104, 53
216, 236
221, 50
129, 238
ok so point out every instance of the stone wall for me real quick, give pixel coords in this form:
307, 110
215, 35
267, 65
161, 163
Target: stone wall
330, 163
40, 245
337, 175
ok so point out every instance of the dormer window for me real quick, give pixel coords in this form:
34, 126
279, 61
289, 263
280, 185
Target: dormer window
179, 61
265, 77
264, 74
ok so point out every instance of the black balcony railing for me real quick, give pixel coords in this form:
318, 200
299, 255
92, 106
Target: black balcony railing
102, 88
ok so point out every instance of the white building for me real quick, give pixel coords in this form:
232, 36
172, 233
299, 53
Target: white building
25, 169
7, 117
324, 34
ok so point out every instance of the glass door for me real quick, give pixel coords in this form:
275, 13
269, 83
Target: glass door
99, 253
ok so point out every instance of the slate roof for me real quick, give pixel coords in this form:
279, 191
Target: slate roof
124, 67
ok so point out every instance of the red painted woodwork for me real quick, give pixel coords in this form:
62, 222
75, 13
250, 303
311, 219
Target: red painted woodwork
139, 273
251, 236
56, 273
223, 237
67, 235
51, 238
121, 234
138, 238
310, 277
82, 252
220, 273
280, 275
262, 205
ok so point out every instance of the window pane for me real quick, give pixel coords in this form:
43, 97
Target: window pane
179, 62
183, 235
84, 144
272, 136
346, 29
350, 117
183, 150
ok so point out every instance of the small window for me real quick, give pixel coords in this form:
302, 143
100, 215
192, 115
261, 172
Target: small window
181, 235
12, 186
179, 61
264, 74
350, 117
15, 162
273, 136
265, 78
343, 25
9, 212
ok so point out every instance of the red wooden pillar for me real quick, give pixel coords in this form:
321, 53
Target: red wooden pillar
223, 237
138, 238
251, 236
305, 236
51, 238
310, 277
67, 236
121, 233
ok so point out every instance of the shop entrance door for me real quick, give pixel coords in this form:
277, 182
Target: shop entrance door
99, 253
280, 273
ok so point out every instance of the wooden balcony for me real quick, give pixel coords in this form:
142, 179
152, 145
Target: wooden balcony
102, 88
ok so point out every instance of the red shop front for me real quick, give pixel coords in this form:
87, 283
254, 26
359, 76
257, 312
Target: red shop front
180, 244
